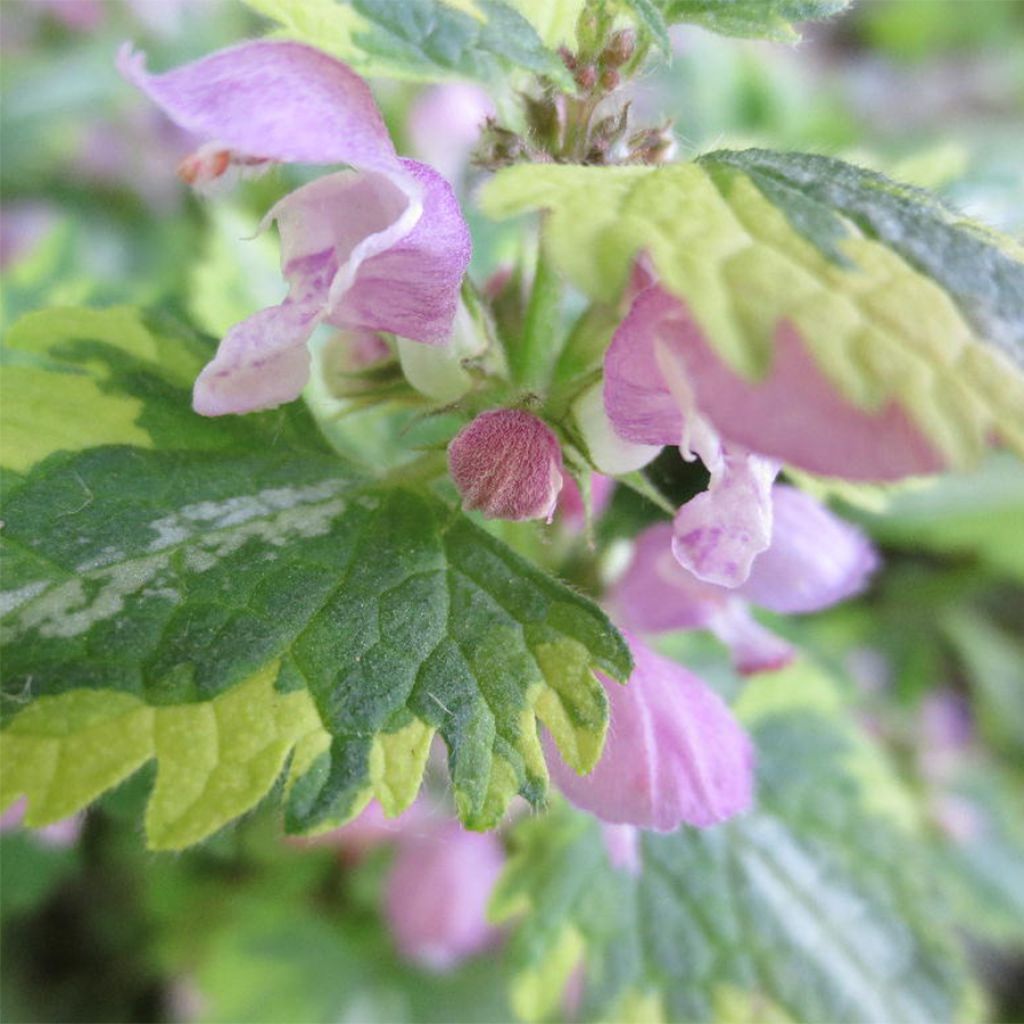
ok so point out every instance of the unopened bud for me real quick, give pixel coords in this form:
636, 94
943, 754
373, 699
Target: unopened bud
620, 48
568, 58
610, 79
586, 77
508, 464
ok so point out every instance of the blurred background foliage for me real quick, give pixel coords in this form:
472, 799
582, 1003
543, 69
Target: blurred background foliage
249, 927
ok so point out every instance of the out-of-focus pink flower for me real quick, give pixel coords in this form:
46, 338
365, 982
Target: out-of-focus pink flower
664, 384
437, 893
674, 752
622, 843
444, 125
77, 15
372, 828
814, 560
946, 732
22, 227
59, 834
508, 464
380, 248
570, 503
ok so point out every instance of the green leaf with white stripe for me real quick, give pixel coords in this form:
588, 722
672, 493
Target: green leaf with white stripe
819, 905
147, 583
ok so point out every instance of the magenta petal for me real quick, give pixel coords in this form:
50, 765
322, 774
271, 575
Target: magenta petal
411, 287
815, 558
795, 414
656, 594
674, 752
276, 100
753, 647
637, 399
436, 896
261, 362
719, 533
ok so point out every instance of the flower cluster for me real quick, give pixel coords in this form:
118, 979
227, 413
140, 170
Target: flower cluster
379, 249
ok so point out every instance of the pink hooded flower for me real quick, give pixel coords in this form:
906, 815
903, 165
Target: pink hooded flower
814, 560
664, 384
380, 247
674, 754
437, 893
508, 464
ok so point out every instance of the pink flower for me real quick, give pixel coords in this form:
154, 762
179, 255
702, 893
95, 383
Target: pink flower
814, 560
372, 828
437, 893
674, 753
508, 464
381, 247
664, 384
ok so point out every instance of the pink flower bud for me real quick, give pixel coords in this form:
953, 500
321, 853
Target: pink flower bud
437, 893
571, 507
508, 464
674, 752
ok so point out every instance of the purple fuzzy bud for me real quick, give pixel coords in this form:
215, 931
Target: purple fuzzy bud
508, 464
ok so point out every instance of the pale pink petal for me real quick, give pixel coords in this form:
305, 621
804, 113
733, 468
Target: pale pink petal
60, 834
815, 559
274, 100
753, 647
260, 363
719, 533
508, 464
411, 286
674, 752
437, 892
656, 594
372, 828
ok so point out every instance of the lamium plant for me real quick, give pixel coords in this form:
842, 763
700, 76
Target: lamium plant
511, 523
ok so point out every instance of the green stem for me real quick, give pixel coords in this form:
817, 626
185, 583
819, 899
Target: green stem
531, 359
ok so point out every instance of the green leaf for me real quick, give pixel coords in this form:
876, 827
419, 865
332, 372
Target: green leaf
172, 577
880, 328
813, 907
763, 19
155, 580
75, 378
421, 40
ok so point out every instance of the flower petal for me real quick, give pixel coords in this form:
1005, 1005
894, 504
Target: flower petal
411, 285
656, 594
815, 559
753, 647
719, 533
674, 752
658, 346
609, 452
436, 895
275, 100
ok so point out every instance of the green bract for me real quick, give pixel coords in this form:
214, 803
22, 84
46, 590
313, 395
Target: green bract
750, 239
811, 908
147, 585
